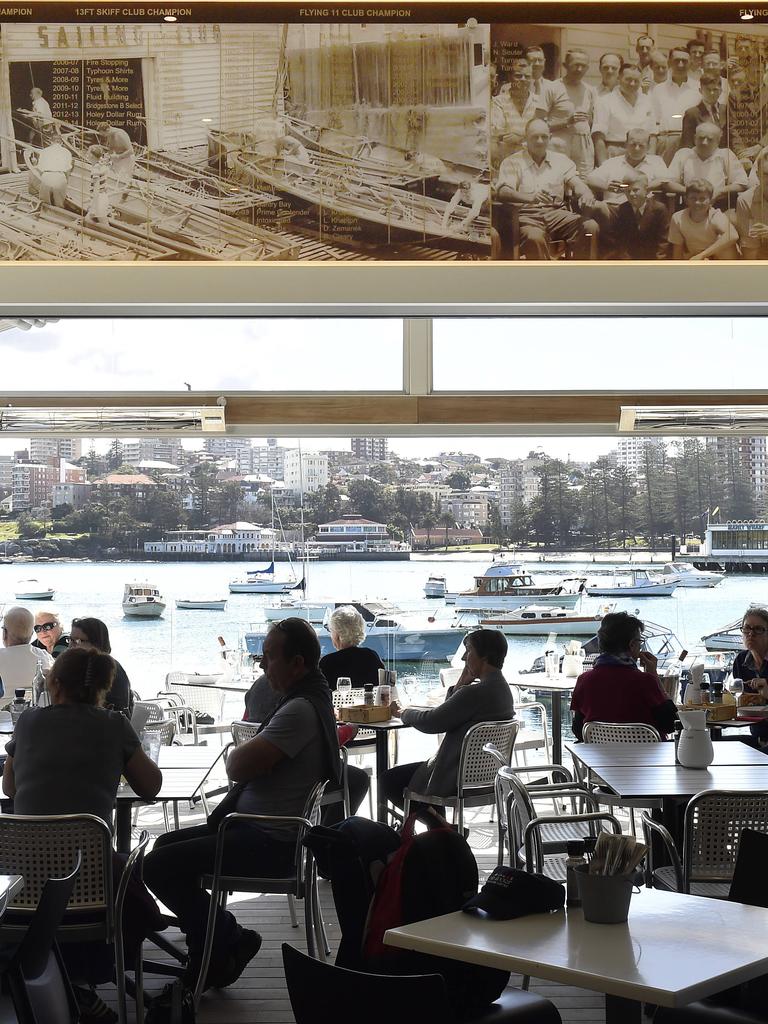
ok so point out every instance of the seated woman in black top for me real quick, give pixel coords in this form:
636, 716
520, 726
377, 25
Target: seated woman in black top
362, 665
67, 759
94, 633
751, 664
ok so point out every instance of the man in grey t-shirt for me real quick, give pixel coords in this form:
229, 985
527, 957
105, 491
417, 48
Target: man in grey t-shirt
275, 772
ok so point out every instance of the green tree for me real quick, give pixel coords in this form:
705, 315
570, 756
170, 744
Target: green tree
371, 500
163, 510
459, 481
428, 523
115, 454
29, 527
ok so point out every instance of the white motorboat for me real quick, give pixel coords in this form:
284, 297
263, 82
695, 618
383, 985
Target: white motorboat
33, 590
394, 635
291, 608
262, 581
538, 620
728, 638
435, 586
687, 575
633, 583
186, 604
142, 601
506, 587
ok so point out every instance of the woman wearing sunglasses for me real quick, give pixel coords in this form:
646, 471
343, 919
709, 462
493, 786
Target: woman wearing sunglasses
751, 664
49, 633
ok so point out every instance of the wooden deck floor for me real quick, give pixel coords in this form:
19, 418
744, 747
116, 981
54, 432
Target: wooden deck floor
261, 997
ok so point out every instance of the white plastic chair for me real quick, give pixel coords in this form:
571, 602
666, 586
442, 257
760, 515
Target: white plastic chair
476, 775
620, 732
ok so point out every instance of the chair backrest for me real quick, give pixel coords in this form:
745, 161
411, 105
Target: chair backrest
37, 978
39, 848
165, 730
476, 767
154, 710
208, 700
514, 806
713, 824
174, 679
244, 731
354, 696
620, 732
408, 999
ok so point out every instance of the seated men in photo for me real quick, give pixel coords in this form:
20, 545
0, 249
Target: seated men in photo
707, 160
535, 183
699, 232
610, 181
642, 224
615, 689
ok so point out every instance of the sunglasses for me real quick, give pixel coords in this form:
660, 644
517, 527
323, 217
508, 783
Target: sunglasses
45, 627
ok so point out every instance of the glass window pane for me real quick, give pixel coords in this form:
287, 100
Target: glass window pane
205, 354
598, 354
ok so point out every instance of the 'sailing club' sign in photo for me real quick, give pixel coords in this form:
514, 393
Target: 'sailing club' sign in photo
435, 132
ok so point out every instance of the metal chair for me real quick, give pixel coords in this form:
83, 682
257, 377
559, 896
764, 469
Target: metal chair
620, 732
365, 740
244, 731
301, 883
198, 709
712, 828
37, 978
39, 848
532, 739
476, 775
517, 810
164, 730
155, 710
408, 998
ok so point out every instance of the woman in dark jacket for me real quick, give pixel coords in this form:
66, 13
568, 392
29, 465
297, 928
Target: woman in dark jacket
90, 632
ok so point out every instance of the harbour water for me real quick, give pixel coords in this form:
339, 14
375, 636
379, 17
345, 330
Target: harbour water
187, 640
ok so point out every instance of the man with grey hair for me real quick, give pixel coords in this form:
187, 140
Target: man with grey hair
20, 662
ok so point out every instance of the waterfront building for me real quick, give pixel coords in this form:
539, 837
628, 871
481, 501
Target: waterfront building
305, 472
237, 538
355, 533
371, 449
179, 542
735, 544
46, 449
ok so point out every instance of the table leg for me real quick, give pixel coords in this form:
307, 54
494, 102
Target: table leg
382, 764
622, 1011
123, 826
557, 729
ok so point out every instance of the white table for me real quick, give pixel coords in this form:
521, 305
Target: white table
596, 756
673, 949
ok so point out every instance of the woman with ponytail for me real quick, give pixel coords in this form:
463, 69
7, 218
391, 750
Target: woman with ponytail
67, 759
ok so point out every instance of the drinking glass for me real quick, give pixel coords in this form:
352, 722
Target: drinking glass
736, 686
344, 689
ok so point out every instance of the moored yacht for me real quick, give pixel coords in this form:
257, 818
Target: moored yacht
506, 587
687, 575
633, 583
262, 581
435, 586
142, 601
33, 590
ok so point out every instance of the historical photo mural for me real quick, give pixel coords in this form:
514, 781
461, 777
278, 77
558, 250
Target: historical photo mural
404, 137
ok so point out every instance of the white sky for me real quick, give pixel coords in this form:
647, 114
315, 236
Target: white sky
355, 355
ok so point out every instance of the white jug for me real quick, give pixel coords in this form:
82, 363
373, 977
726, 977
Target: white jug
695, 747
573, 665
